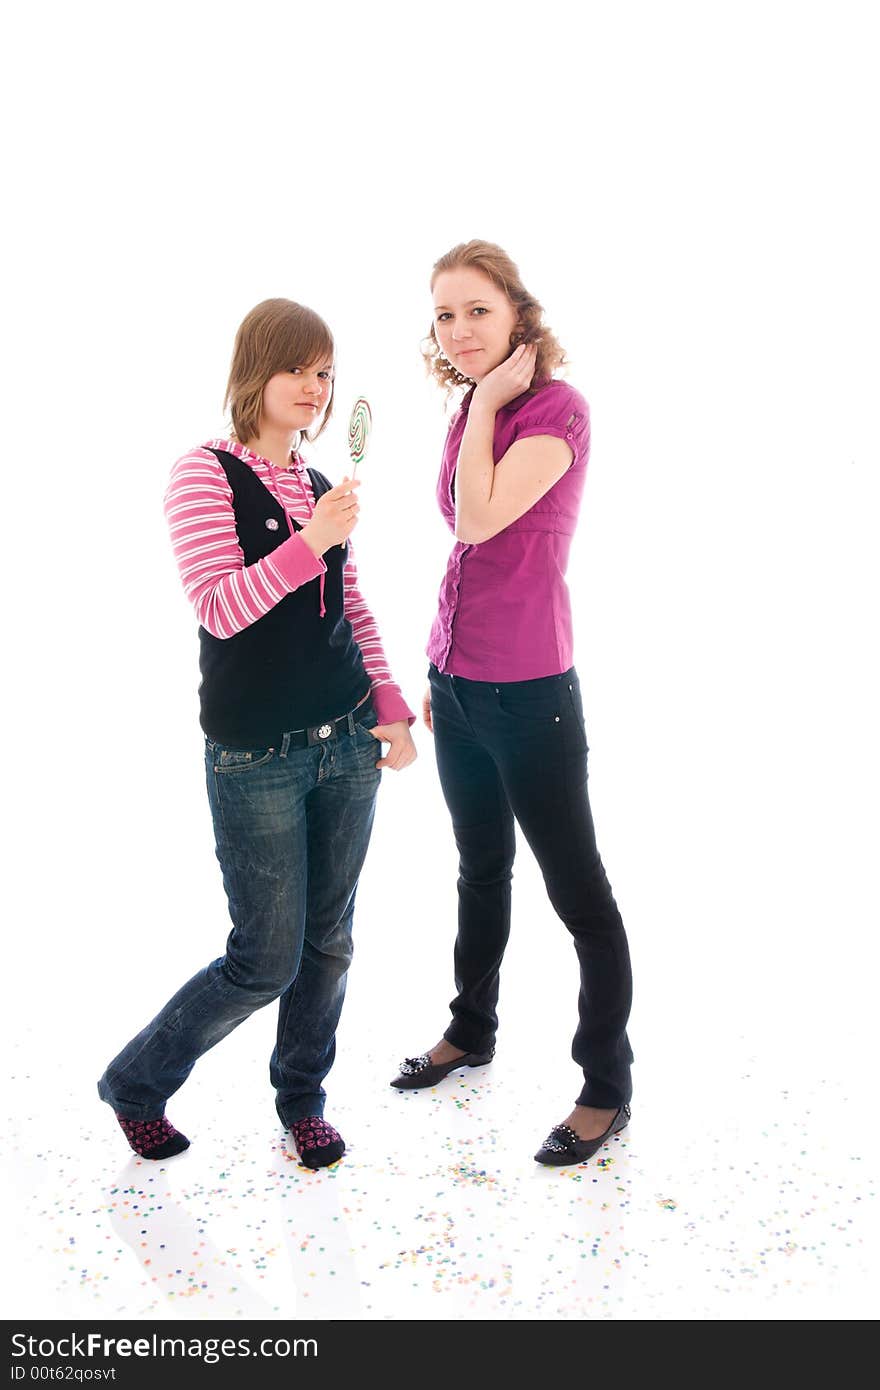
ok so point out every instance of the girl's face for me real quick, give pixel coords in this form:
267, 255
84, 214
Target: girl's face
473, 321
296, 399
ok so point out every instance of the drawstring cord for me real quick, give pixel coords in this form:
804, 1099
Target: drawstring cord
296, 473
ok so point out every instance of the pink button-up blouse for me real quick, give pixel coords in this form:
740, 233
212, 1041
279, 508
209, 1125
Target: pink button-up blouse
504, 612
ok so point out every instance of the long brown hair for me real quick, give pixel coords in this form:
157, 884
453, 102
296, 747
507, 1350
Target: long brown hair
276, 335
495, 262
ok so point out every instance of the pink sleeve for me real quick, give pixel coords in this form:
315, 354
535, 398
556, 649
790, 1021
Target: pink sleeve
560, 411
387, 697
227, 595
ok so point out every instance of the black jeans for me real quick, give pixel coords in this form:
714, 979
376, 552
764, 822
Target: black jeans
517, 750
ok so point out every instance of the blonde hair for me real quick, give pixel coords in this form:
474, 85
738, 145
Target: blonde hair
276, 335
501, 270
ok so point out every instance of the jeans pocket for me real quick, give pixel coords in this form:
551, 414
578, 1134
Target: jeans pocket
366, 739
367, 720
239, 760
573, 692
543, 701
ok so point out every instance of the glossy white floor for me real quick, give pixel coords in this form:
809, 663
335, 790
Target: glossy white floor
743, 1189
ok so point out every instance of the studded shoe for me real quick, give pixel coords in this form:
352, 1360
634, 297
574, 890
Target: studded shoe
563, 1146
416, 1072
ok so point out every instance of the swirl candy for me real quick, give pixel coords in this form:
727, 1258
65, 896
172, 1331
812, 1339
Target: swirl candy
359, 429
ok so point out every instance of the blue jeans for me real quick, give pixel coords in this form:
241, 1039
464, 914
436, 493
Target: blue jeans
292, 828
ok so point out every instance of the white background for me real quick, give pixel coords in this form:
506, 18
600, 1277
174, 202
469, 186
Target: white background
691, 191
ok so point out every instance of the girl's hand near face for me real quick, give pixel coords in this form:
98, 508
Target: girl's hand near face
334, 518
508, 380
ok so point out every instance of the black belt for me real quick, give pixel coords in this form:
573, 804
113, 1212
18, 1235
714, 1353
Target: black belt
322, 733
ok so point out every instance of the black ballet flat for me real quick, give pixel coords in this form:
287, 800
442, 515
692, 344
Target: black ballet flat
416, 1072
563, 1146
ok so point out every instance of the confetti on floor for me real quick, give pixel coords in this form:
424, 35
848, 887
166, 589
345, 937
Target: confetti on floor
438, 1211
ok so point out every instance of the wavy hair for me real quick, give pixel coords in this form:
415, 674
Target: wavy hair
276, 335
495, 262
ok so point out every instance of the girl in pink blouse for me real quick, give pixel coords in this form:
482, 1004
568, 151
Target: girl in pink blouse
503, 702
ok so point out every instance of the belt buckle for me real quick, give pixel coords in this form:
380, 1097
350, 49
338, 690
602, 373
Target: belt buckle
321, 733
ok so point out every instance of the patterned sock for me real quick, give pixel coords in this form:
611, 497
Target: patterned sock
317, 1143
153, 1138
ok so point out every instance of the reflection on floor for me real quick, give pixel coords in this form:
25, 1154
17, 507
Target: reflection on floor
752, 1203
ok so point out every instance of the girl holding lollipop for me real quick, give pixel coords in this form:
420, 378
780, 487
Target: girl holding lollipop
295, 693
503, 702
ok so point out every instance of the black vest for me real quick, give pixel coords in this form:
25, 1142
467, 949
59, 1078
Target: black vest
291, 668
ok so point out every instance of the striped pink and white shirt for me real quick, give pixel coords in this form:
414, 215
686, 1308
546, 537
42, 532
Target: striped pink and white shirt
228, 595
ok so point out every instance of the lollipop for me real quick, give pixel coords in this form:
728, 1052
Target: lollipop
359, 431
359, 423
